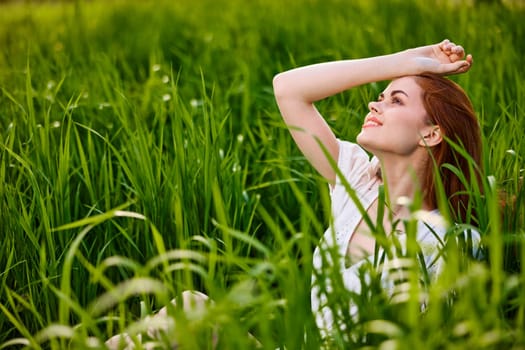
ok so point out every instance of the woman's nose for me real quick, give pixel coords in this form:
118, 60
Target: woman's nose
373, 106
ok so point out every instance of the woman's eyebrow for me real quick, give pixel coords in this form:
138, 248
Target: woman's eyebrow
398, 92
382, 95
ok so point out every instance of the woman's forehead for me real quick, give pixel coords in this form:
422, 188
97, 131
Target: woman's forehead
407, 84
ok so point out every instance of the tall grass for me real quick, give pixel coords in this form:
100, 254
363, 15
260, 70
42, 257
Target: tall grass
142, 155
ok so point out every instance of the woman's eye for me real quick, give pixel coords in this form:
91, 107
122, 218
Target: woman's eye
396, 100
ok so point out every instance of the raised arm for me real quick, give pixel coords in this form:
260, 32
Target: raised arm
296, 91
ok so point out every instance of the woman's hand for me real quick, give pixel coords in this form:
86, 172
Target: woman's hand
444, 58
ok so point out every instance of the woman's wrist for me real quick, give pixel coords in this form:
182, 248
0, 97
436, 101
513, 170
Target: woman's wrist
407, 63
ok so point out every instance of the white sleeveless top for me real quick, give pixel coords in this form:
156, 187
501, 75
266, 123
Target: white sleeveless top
361, 174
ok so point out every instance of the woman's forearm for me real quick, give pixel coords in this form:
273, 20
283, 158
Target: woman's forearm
318, 81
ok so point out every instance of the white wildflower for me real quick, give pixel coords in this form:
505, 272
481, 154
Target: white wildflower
196, 103
236, 167
404, 201
50, 97
429, 217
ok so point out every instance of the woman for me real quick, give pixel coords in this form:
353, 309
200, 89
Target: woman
410, 130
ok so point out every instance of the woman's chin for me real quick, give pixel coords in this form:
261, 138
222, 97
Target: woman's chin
364, 141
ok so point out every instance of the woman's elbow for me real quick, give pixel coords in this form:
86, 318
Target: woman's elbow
280, 86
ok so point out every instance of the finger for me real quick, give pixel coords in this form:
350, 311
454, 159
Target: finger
461, 58
458, 48
452, 44
463, 66
453, 48
456, 67
454, 57
469, 59
448, 45
458, 51
444, 45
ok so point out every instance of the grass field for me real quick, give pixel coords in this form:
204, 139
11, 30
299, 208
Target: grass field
142, 154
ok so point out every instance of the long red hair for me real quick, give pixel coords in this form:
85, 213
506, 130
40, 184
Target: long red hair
448, 107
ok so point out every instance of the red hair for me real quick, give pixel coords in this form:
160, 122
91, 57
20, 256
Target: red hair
448, 107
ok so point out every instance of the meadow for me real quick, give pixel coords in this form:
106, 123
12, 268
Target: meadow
142, 154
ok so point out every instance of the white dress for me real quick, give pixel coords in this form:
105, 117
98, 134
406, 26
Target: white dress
361, 174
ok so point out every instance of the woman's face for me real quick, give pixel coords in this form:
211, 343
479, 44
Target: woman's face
397, 122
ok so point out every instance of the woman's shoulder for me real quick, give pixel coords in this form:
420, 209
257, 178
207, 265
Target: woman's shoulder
354, 161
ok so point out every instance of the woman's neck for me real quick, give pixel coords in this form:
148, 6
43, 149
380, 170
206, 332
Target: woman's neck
402, 177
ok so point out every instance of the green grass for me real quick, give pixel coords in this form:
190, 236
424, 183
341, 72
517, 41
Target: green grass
142, 154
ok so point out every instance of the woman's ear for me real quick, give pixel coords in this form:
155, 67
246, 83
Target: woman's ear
431, 137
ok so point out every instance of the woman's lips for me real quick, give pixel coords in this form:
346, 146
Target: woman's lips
371, 122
